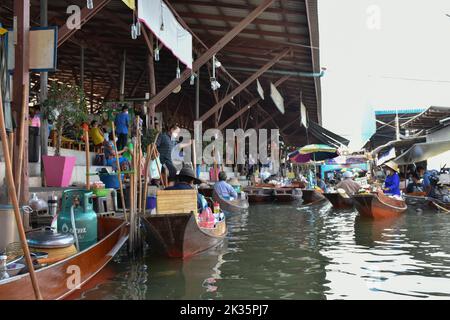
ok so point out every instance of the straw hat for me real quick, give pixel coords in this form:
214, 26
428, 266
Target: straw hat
392, 165
348, 174
234, 182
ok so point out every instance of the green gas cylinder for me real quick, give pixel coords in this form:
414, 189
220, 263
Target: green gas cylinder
85, 217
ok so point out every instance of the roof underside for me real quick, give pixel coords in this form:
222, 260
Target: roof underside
286, 24
428, 119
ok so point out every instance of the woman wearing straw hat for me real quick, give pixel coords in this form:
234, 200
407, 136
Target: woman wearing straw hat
392, 182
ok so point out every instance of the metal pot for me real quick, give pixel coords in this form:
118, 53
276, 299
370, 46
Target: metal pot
47, 238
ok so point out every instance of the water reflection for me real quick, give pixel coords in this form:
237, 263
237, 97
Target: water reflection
285, 252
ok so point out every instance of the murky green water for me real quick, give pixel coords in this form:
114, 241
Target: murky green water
281, 252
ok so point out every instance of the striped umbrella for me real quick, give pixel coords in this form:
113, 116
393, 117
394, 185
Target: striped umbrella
313, 152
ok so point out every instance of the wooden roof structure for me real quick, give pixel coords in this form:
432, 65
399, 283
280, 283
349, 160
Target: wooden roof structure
428, 119
284, 36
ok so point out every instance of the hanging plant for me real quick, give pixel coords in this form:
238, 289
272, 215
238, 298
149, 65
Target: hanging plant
66, 107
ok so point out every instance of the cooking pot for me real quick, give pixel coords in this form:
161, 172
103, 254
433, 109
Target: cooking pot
57, 245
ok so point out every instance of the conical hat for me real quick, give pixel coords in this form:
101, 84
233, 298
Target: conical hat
234, 182
392, 165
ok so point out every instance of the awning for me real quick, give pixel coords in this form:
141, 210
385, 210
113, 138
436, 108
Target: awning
326, 136
398, 144
422, 151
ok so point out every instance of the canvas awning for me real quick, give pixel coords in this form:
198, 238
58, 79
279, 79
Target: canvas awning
326, 136
422, 151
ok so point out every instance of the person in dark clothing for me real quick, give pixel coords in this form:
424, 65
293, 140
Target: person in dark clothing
415, 185
122, 122
165, 144
185, 181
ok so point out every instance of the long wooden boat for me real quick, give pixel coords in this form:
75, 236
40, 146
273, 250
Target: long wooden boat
259, 195
55, 281
179, 236
338, 201
312, 197
378, 205
421, 201
231, 206
287, 194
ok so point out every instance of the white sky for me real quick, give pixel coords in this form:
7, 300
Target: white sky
413, 42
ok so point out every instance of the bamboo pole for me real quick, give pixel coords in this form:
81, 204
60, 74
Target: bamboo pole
119, 172
146, 167
11, 145
194, 159
138, 159
15, 202
22, 140
88, 160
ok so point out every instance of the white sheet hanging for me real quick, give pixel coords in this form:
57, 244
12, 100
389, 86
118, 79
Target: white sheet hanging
154, 13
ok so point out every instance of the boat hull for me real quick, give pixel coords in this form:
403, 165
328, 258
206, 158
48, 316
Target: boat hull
259, 195
424, 203
179, 236
378, 206
287, 195
338, 201
236, 206
312, 198
56, 281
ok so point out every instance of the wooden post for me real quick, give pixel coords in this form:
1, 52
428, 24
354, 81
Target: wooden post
119, 172
146, 167
138, 160
88, 160
21, 78
15, 202
21, 149
194, 158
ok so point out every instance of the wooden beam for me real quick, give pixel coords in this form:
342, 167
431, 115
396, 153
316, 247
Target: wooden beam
249, 106
211, 51
64, 32
245, 84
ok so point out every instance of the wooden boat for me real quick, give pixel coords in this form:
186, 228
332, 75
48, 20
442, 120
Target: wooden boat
177, 235
338, 201
287, 194
421, 201
231, 206
55, 281
259, 195
378, 205
312, 197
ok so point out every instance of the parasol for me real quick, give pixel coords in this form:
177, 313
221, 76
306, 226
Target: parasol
313, 152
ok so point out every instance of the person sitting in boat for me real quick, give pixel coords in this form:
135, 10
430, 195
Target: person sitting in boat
185, 180
415, 185
392, 182
425, 175
224, 189
320, 183
349, 185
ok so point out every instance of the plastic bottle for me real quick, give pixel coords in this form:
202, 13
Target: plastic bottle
216, 208
3, 270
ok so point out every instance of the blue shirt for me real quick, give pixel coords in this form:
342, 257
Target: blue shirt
224, 190
185, 186
426, 179
121, 123
392, 183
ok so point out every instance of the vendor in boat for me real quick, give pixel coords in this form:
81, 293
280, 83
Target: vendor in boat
185, 180
224, 189
320, 183
392, 182
415, 185
425, 177
349, 185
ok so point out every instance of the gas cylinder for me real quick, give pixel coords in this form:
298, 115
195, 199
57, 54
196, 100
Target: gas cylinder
84, 214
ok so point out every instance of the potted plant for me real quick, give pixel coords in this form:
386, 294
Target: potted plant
66, 108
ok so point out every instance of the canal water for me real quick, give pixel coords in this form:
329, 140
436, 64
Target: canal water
284, 252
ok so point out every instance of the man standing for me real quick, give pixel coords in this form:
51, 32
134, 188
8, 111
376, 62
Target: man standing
121, 123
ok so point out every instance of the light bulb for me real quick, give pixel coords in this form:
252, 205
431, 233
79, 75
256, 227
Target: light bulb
162, 26
192, 80
133, 32
138, 28
178, 73
217, 63
157, 53
90, 4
